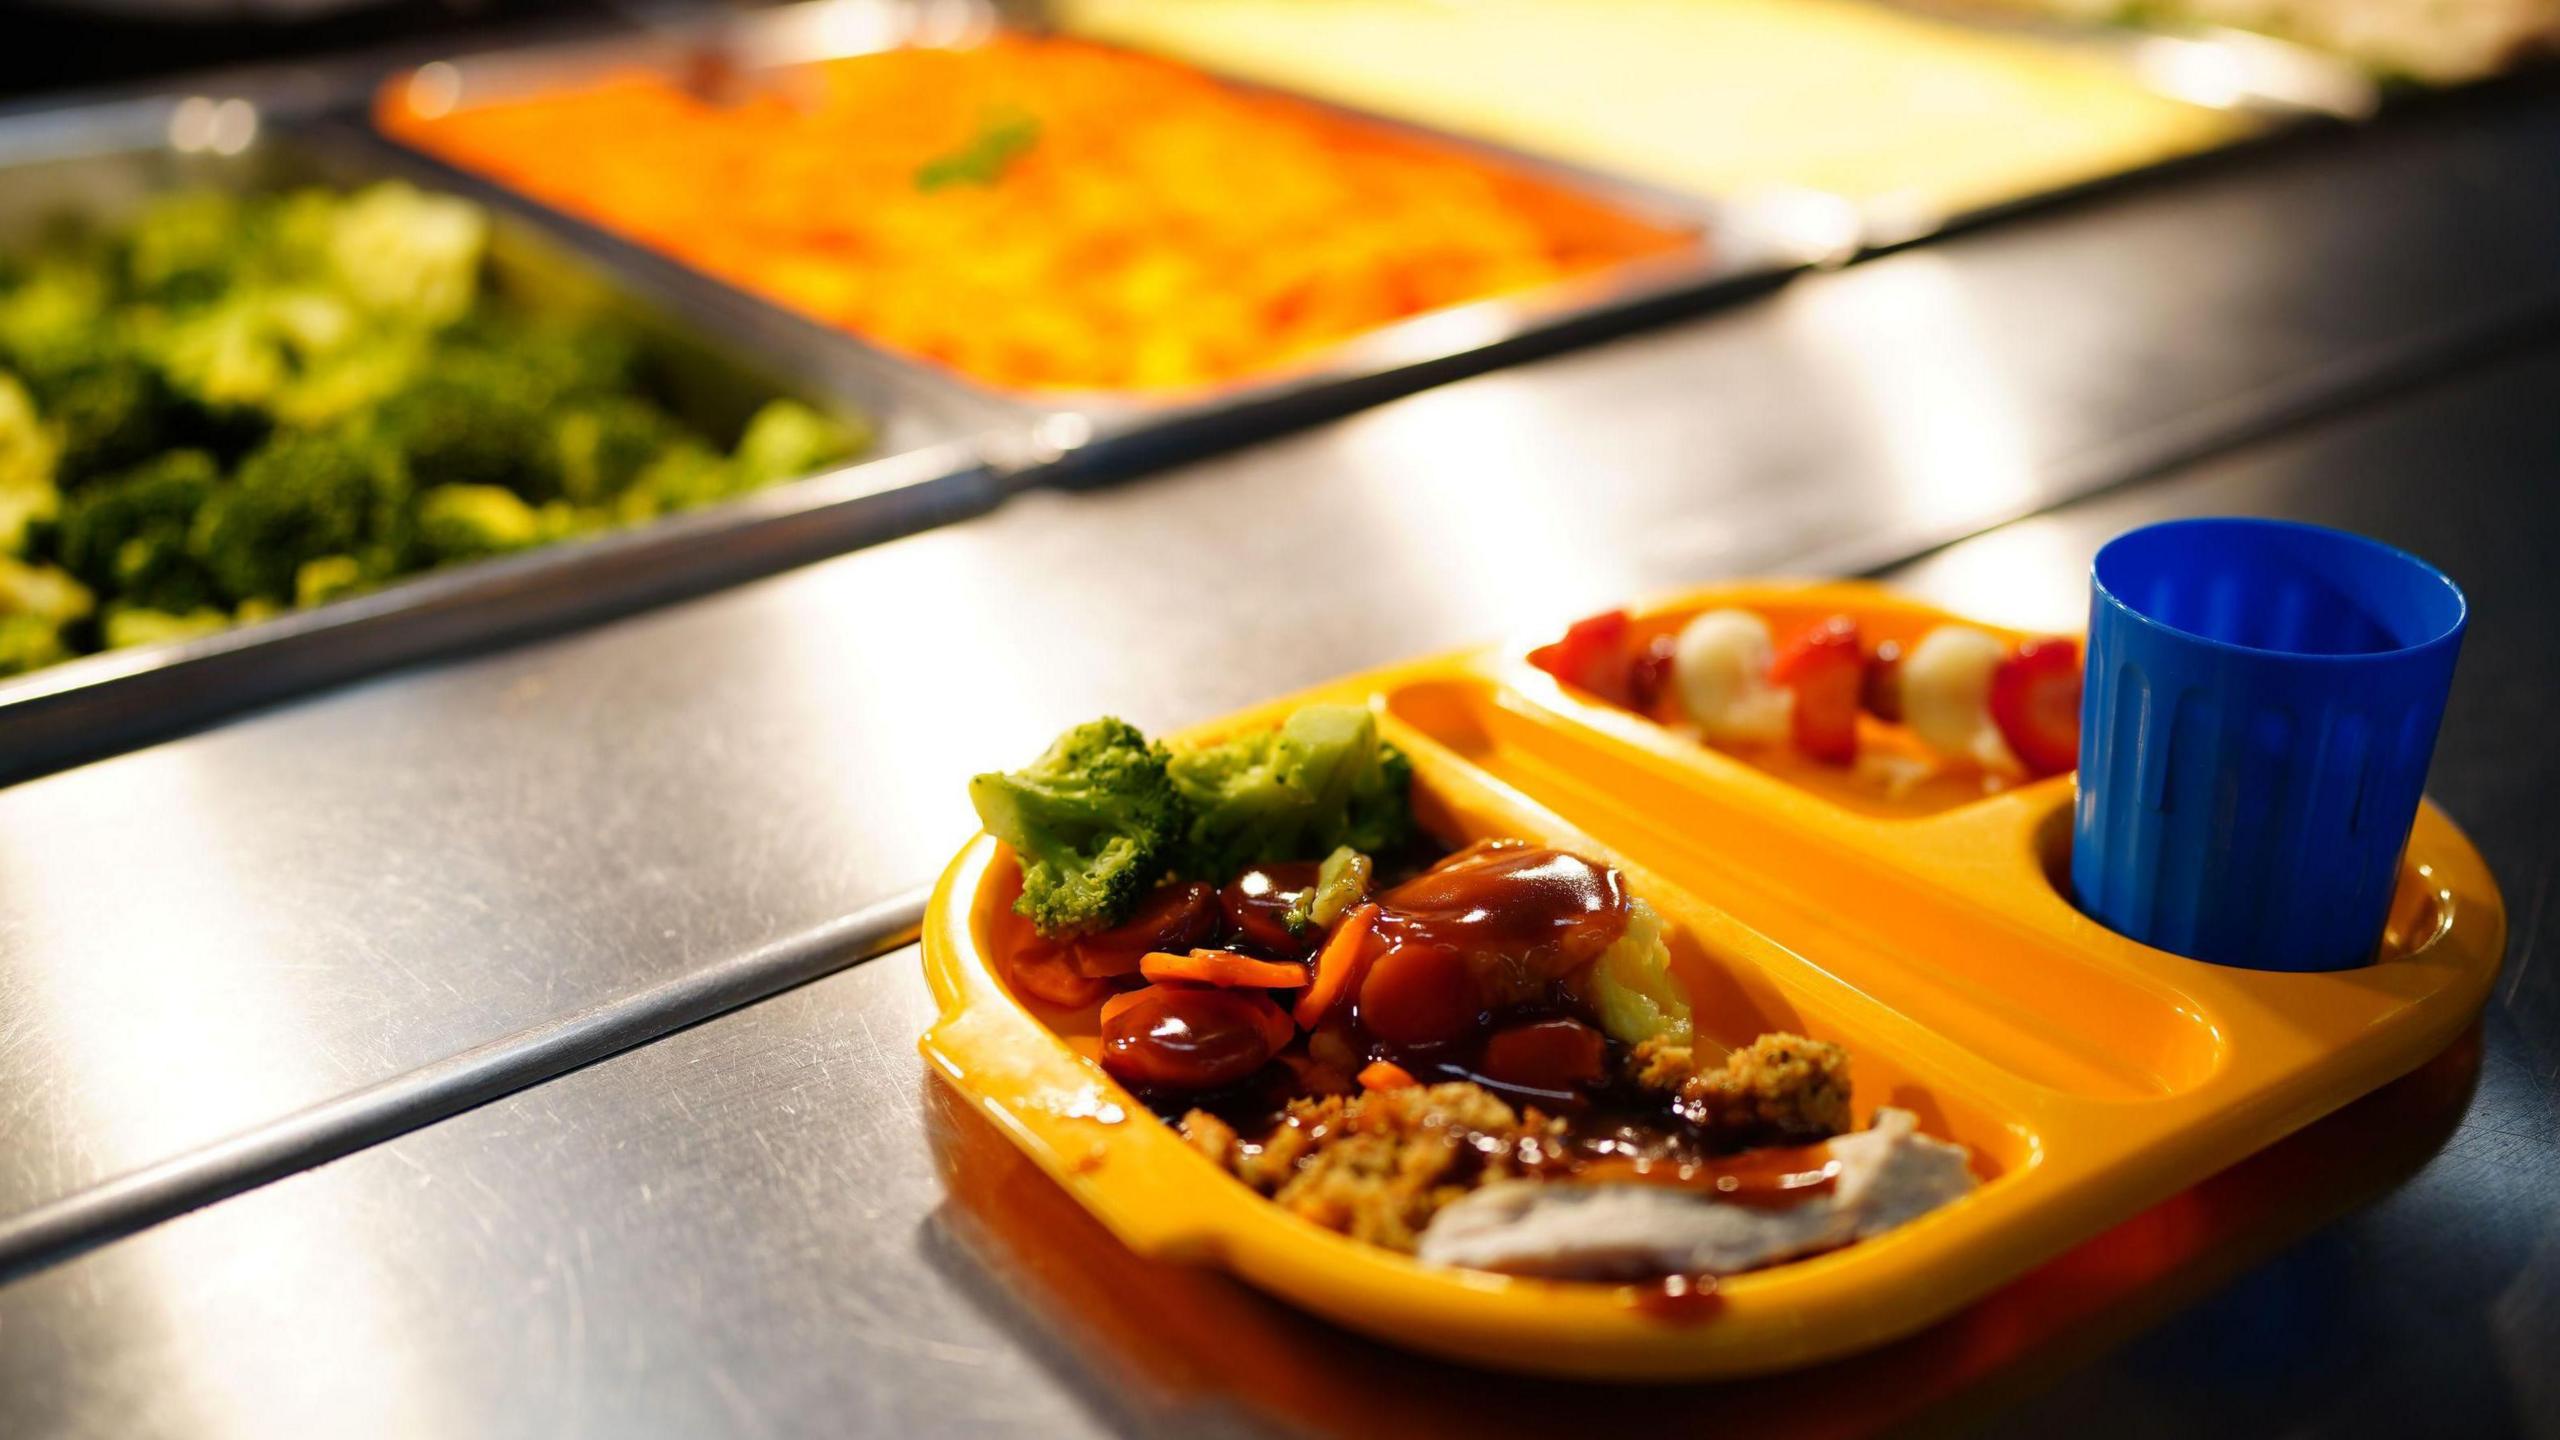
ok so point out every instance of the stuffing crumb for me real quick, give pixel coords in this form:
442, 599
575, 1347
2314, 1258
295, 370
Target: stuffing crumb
1378, 1166
1779, 1088
1210, 1136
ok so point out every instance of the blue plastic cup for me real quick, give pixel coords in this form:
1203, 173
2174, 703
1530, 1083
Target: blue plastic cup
2261, 702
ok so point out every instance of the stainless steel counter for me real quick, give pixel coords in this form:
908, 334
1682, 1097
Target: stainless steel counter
771, 1224
211, 936
740, 1226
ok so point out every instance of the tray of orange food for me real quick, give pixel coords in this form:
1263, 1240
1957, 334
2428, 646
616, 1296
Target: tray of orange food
1692, 991
1113, 240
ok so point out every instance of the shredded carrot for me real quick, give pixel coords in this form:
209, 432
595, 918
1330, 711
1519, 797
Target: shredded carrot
1145, 226
1338, 964
1386, 1075
1223, 968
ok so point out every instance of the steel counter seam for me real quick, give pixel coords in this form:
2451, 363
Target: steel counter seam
415, 1098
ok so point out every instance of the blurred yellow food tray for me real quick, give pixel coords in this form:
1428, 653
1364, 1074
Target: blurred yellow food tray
1901, 114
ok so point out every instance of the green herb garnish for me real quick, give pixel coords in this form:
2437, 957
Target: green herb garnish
1001, 139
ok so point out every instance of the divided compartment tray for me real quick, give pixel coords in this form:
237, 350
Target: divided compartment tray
2091, 1076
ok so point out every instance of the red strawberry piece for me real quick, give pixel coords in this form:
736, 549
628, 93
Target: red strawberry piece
1882, 694
1592, 655
2035, 700
1827, 669
1649, 674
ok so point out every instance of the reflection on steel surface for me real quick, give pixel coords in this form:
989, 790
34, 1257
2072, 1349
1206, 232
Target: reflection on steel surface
433, 1091
1907, 340
777, 1224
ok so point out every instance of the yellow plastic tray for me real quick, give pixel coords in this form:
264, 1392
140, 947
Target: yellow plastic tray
2091, 1076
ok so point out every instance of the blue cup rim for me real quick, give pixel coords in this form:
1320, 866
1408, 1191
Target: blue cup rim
2449, 634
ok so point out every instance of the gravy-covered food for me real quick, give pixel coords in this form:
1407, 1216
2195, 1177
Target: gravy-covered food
1479, 1057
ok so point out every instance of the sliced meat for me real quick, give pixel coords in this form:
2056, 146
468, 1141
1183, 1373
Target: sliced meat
1889, 1173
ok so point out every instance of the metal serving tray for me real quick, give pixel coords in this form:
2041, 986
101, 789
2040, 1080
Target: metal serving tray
930, 464
1081, 434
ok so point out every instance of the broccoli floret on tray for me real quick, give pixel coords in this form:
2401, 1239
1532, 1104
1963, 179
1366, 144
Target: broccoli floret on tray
224, 405
407, 254
1103, 816
28, 448
108, 412
605, 444
786, 440
128, 627
469, 426
36, 603
127, 533
1321, 780
1093, 822
467, 522
298, 498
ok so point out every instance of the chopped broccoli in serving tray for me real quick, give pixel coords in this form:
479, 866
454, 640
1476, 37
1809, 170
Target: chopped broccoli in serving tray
229, 405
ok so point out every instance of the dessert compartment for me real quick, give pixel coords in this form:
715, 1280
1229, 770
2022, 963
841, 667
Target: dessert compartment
1830, 892
1790, 610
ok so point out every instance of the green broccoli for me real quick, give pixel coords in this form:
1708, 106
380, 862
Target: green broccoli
127, 533
251, 347
1342, 881
1633, 989
683, 477
375, 410
605, 444
27, 450
786, 440
1093, 822
36, 603
110, 411
466, 522
292, 232
126, 626
543, 361
401, 252
52, 318
1322, 779
351, 378
184, 249
28, 642
331, 577
297, 498
465, 425
42, 591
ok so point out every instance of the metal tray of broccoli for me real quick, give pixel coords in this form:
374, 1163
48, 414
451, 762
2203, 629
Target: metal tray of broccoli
278, 408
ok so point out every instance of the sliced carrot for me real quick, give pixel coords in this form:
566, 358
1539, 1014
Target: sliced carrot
1048, 976
1386, 1075
1277, 1029
1338, 965
1122, 1001
1223, 968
